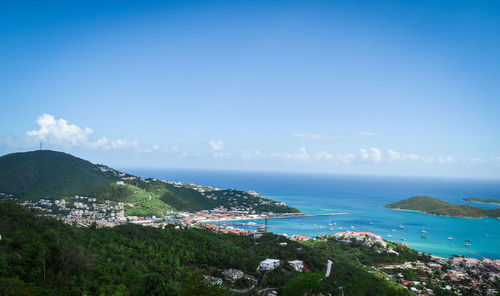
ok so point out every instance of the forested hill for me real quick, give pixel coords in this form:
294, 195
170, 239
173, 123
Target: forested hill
53, 175
434, 206
43, 256
46, 174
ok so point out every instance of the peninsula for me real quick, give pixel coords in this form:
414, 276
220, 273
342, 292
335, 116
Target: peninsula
486, 201
434, 206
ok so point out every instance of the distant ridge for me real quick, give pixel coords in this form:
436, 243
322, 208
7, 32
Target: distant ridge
45, 173
434, 206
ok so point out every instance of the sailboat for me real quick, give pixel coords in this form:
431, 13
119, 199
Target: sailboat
467, 242
330, 224
450, 237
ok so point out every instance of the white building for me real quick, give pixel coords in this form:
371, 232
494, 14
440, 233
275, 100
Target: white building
268, 264
297, 264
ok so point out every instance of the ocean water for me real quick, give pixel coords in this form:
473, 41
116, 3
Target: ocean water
363, 197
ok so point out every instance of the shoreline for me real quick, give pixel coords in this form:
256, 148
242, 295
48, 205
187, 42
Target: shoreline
416, 211
482, 202
278, 217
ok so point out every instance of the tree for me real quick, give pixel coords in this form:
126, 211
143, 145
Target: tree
305, 284
194, 284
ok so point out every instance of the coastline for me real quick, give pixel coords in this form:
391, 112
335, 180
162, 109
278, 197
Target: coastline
482, 202
272, 217
416, 211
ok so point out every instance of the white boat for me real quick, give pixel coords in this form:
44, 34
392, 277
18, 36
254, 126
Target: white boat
450, 238
467, 242
251, 223
423, 235
401, 226
371, 223
389, 235
403, 239
394, 230
340, 228
330, 223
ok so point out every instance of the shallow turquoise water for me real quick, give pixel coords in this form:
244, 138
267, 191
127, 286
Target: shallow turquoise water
363, 197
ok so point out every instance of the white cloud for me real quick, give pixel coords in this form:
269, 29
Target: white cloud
250, 154
373, 155
393, 155
323, 156
346, 158
60, 132
216, 145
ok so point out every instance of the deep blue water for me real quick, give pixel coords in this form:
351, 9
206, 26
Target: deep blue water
363, 197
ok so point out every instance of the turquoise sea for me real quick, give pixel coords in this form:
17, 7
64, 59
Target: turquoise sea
363, 197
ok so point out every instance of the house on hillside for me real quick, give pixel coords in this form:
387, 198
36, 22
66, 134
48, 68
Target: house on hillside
268, 264
298, 265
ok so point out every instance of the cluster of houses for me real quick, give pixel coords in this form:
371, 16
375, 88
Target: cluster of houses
270, 264
82, 210
224, 229
456, 274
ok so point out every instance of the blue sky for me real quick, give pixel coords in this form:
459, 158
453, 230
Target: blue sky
358, 87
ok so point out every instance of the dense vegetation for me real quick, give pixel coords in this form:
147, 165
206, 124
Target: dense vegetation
438, 207
489, 200
49, 174
43, 256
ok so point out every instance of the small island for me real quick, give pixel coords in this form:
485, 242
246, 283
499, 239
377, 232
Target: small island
486, 201
434, 206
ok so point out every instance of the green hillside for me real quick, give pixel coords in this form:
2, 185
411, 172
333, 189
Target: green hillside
186, 198
438, 207
43, 256
52, 175
49, 174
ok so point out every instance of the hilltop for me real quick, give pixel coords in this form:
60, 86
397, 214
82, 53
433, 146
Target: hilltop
46, 174
434, 206
52, 175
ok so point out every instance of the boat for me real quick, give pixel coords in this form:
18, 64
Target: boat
371, 222
330, 223
467, 242
261, 228
450, 238
334, 223
423, 231
403, 239
423, 235
331, 228
251, 223
389, 235
401, 226
340, 228
394, 230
